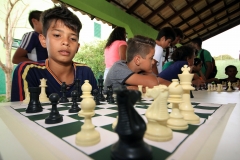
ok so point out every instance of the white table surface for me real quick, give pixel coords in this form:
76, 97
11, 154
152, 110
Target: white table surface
222, 144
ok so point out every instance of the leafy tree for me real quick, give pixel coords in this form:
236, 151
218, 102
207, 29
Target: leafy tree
223, 57
13, 11
92, 54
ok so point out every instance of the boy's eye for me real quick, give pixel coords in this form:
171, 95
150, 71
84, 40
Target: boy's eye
56, 35
74, 39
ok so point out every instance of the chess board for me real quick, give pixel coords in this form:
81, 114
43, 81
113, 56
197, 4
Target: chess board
105, 115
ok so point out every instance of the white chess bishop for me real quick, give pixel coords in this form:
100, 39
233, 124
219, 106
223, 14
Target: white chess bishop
157, 115
186, 107
88, 136
176, 121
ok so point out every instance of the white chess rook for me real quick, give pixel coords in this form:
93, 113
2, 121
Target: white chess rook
186, 107
88, 136
43, 96
157, 115
176, 121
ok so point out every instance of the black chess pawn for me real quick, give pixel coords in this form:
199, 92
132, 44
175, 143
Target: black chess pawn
108, 88
74, 108
200, 87
195, 86
110, 96
63, 99
191, 94
34, 104
130, 129
77, 86
100, 86
54, 116
96, 98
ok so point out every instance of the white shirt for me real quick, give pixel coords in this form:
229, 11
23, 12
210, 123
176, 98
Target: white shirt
158, 57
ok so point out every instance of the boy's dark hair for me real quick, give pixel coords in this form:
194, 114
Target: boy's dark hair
230, 66
34, 15
63, 14
182, 53
168, 32
197, 40
178, 32
117, 34
139, 45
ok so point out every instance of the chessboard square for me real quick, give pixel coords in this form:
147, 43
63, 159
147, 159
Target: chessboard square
76, 116
66, 113
202, 120
209, 105
102, 120
107, 138
103, 112
140, 111
196, 110
171, 145
22, 105
106, 105
50, 106
66, 120
44, 111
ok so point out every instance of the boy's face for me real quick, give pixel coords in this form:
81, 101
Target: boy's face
61, 43
164, 43
231, 72
147, 62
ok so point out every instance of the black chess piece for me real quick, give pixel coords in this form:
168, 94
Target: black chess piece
54, 116
205, 86
110, 95
108, 88
74, 108
200, 87
195, 86
77, 86
191, 94
96, 98
34, 104
63, 99
100, 86
130, 129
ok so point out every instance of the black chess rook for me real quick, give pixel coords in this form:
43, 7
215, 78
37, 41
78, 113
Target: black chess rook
100, 87
130, 129
54, 116
34, 104
78, 89
63, 99
96, 98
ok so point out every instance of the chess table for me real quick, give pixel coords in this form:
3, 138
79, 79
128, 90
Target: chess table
26, 136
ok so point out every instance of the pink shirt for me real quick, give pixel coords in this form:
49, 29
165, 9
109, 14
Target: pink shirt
111, 53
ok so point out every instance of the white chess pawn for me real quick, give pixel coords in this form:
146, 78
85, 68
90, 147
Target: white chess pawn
43, 96
88, 136
229, 87
209, 87
214, 87
176, 121
157, 115
219, 88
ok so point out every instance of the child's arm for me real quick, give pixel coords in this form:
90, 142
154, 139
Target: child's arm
145, 80
20, 56
154, 67
122, 52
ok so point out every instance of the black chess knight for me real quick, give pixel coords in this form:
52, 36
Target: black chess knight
130, 129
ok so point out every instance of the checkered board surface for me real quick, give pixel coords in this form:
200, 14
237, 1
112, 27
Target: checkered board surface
105, 115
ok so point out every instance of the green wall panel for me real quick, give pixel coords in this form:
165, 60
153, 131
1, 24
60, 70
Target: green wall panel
110, 13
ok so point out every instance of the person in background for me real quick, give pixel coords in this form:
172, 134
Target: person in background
115, 48
165, 36
207, 58
231, 71
183, 55
30, 48
175, 44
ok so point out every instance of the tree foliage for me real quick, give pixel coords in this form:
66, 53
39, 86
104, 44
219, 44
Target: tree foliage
223, 57
92, 54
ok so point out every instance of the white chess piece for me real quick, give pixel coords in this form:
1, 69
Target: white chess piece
43, 96
214, 87
229, 87
219, 88
209, 87
176, 121
169, 105
27, 96
186, 107
157, 115
88, 136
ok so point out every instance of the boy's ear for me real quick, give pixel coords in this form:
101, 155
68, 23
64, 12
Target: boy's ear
137, 59
42, 40
78, 47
